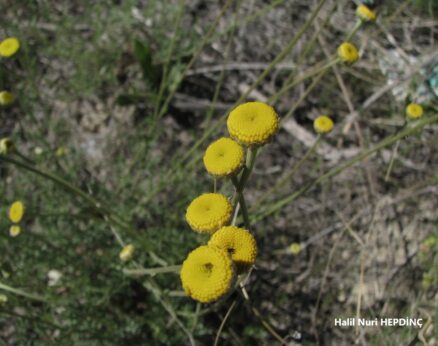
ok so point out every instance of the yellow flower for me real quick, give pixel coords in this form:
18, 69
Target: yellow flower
365, 13
60, 152
9, 47
14, 230
6, 146
207, 273
323, 124
209, 212
3, 299
348, 53
414, 111
239, 243
295, 248
252, 123
16, 211
6, 98
223, 157
127, 252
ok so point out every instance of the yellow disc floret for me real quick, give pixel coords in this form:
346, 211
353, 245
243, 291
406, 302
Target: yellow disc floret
209, 212
414, 111
239, 243
223, 157
127, 253
365, 13
16, 211
323, 124
14, 230
207, 274
9, 47
348, 53
6, 98
252, 123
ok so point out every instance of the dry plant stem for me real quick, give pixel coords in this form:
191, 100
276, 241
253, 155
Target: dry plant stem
336, 170
290, 174
22, 293
152, 271
221, 327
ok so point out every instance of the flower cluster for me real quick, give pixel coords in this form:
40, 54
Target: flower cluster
209, 271
16, 215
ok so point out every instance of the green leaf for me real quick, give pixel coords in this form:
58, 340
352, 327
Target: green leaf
151, 73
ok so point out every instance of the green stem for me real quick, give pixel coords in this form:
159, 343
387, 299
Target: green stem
334, 171
21, 293
353, 32
152, 271
391, 162
98, 206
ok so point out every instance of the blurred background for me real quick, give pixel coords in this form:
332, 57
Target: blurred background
121, 98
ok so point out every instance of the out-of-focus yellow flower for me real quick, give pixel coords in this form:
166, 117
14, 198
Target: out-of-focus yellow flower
239, 243
223, 157
365, 13
414, 111
127, 252
9, 46
252, 123
14, 230
60, 152
348, 53
6, 98
295, 248
3, 299
207, 274
6, 146
323, 124
16, 211
208, 212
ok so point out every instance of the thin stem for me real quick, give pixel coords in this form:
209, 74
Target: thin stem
152, 271
21, 293
336, 170
391, 162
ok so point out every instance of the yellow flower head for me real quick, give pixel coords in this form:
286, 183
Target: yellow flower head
365, 13
60, 152
348, 53
126, 253
295, 248
6, 146
223, 157
209, 212
9, 47
6, 98
239, 243
14, 230
323, 124
252, 123
414, 111
207, 273
3, 299
16, 211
